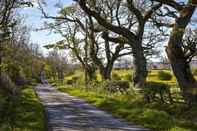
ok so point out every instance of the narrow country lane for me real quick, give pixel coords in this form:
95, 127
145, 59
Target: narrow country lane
68, 113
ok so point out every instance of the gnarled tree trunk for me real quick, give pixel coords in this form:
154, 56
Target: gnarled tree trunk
180, 66
105, 72
140, 69
91, 73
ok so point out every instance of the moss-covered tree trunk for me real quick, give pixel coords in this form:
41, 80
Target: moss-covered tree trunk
105, 72
180, 66
140, 70
91, 73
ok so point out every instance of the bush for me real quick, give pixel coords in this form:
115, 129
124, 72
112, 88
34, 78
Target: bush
75, 78
153, 89
195, 72
163, 75
21, 79
114, 86
69, 82
128, 77
160, 119
72, 81
70, 73
115, 76
8, 85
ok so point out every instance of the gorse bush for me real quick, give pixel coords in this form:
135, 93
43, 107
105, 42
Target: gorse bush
163, 75
128, 77
70, 73
69, 82
194, 72
73, 80
115, 76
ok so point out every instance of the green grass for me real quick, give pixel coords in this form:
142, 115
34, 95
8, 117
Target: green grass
131, 107
155, 115
152, 75
23, 114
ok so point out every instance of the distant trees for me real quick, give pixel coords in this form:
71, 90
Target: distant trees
56, 65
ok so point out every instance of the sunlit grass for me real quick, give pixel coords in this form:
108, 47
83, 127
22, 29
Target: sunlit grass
152, 75
25, 114
155, 115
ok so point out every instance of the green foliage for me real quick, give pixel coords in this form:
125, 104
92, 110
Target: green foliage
7, 85
69, 82
115, 76
22, 114
58, 45
92, 3
194, 72
153, 89
67, 10
128, 77
163, 75
70, 73
161, 120
99, 85
158, 116
115, 86
3, 67
49, 46
73, 80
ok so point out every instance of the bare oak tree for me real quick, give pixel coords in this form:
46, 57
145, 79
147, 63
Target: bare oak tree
134, 37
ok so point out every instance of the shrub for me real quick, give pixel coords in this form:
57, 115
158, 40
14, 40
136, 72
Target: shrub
21, 79
114, 86
115, 76
70, 73
163, 75
73, 80
195, 72
128, 77
8, 85
94, 84
69, 82
153, 89
160, 119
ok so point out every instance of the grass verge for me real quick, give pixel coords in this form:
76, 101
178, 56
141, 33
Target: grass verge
24, 113
157, 116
